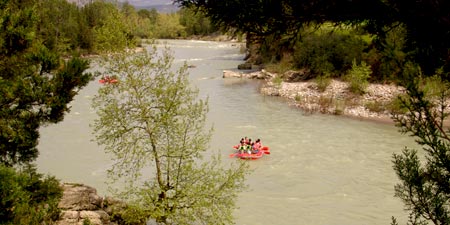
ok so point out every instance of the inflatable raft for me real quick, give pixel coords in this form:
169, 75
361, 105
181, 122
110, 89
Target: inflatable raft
107, 80
263, 151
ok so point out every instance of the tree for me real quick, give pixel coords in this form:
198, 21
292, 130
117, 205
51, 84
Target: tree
426, 21
58, 25
27, 198
111, 33
168, 26
195, 22
425, 186
35, 85
153, 124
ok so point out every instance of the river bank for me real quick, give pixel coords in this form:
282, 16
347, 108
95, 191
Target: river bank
336, 99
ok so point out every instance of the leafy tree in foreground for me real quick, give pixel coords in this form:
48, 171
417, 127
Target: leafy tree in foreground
152, 123
425, 186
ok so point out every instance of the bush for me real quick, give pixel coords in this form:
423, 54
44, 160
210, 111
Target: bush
328, 53
284, 65
434, 87
28, 198
358, 77
388, 56
277, 80
375, 106
323, 81
396, 106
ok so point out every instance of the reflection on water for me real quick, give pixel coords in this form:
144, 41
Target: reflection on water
322, 169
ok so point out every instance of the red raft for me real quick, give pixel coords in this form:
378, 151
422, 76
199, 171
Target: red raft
107, 80
263, 151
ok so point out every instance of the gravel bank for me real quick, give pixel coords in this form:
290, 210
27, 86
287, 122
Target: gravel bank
337, 99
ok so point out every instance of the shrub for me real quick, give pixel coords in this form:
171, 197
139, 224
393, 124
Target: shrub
396, 106
328, 53
339, 106
28, 198
375, 106
358, 77
323, 81
434, 87
284, 65
277, 80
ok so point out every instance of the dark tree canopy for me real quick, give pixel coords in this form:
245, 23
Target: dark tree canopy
427, 21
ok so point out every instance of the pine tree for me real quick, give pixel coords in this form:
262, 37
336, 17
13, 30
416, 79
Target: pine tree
35, 85
424, 176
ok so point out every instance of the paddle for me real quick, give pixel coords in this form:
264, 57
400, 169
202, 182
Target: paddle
266, 150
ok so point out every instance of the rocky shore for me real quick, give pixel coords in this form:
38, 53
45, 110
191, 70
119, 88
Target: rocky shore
335, 99
81, 205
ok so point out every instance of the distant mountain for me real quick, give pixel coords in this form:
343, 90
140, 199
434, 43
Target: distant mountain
165, 6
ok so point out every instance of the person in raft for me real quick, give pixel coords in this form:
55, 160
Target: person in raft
249, 146
256, 146
242, 147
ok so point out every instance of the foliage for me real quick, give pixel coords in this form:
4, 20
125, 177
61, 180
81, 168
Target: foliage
152, 123
426, 23
168, 26
277, 80
433, 87
195, 22
111, 33
358, 77
276, 48
280, 67
424, 186
328, 53
35, 86
26, 197
388, 55
58, 25
375, 106
323, 81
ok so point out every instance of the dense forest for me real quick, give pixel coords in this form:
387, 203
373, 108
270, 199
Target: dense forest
400, 41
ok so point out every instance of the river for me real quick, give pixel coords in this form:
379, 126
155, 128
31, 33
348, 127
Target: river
322, 170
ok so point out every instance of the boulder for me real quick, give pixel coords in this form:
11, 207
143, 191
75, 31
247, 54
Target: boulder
245, 66
229, 74
98, 217
79, 197
296, 76
69, 217
81, 203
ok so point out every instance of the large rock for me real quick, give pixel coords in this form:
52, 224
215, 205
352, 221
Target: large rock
296, 76
80, 197
229, 74
245, 66
81, 203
